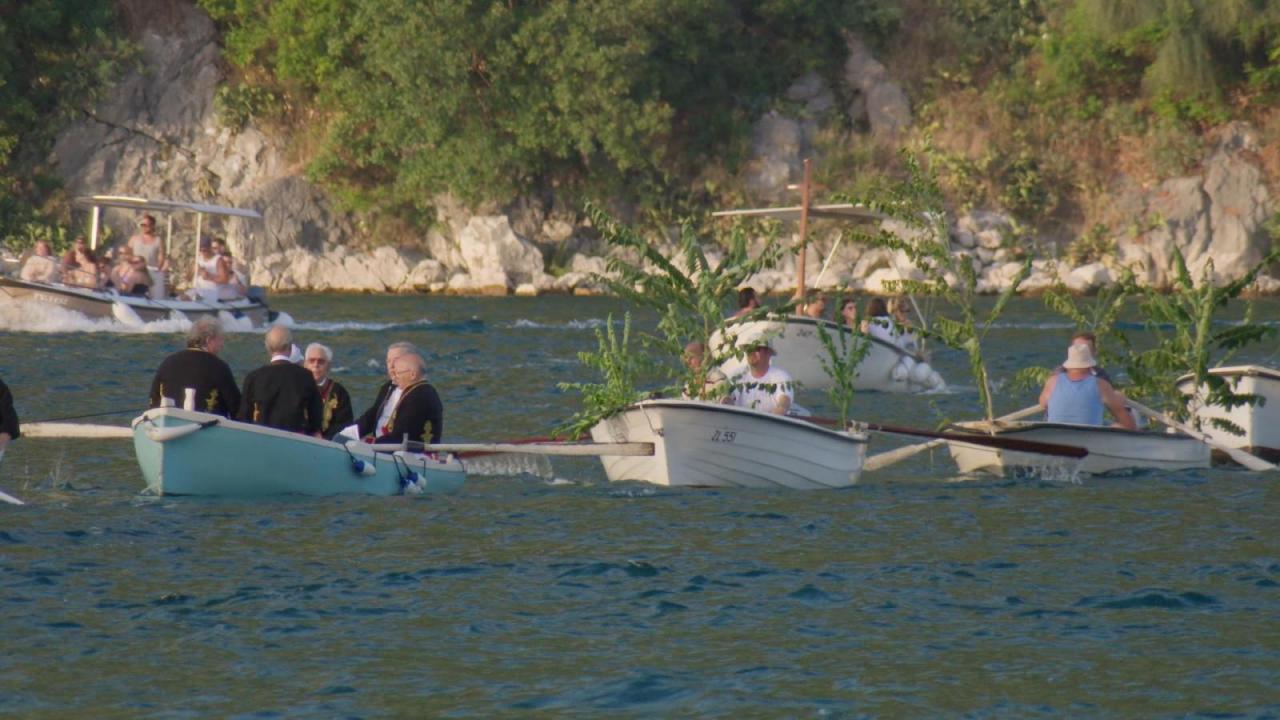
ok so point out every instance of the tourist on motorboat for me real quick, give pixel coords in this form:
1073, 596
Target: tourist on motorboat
238, 284
334, 397
281, 394
80, 266
715, 384
9, 430
419, 414
130, 275
1084, 337
198, 367
148, 246
213, 279
747, 301
761, 386
41, 266
1078, 396
371, 423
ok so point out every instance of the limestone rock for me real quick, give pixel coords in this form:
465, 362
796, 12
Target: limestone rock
887, 110
777, 145
495, 257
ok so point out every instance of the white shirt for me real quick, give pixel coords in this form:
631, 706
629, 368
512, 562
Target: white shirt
763, 393
384, 418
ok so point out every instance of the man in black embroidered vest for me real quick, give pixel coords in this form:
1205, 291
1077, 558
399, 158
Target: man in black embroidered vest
335, 398
200, 368
374, 421
9, 429
281, 394
419, 415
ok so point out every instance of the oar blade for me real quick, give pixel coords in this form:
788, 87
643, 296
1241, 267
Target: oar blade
75, 430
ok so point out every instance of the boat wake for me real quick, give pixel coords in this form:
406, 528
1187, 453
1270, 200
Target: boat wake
42, 318
588, 324
470, 325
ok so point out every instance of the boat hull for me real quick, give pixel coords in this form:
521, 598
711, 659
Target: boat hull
1110, 449
109, 305
1261, 422
235, 459
710, 445
885, 368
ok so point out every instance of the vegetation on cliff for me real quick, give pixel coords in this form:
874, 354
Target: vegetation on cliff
1034, 107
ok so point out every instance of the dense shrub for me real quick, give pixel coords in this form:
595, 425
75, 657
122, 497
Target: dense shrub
485, 98
56, 56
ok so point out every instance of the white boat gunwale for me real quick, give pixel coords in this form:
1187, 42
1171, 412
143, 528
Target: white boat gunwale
1235, 371
797, 320
789, 420
981, 427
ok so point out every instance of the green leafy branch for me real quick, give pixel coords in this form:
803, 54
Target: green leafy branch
621, 370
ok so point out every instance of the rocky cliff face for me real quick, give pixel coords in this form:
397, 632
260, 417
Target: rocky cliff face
158, 135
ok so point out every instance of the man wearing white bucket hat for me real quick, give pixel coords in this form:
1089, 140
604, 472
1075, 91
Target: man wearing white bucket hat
761, 387
1076, 395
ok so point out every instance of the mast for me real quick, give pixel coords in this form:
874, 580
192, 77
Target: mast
806, 188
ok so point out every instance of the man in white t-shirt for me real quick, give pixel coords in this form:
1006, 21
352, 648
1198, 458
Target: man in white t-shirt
761, 387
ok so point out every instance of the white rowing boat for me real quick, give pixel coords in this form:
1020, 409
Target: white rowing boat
1111, 449
182, 452
1260, 422
699, 443
885, 368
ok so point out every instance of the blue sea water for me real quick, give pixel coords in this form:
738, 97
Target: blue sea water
915, 593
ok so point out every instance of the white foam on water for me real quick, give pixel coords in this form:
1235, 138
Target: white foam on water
43, 318
588, 324
347, 325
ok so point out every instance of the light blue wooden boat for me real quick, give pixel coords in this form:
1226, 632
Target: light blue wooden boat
193, 453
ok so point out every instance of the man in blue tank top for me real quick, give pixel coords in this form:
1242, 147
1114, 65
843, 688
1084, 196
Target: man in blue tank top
1076, 395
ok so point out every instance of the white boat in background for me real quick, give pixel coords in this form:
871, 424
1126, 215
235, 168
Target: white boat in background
885, 368
134, 309
705, 444
1111, 449
183, 452
1260, 422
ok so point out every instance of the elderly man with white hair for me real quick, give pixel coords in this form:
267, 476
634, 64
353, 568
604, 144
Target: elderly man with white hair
198, 367
281, 394
334, 398
374, 420
418, 415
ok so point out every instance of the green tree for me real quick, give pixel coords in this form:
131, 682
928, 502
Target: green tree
56, 58
1180, 48
485, 98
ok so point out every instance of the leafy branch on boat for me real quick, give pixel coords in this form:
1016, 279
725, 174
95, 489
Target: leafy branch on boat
1187, 341
915, 225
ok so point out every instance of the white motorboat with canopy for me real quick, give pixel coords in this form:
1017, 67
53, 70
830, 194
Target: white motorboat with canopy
885, 367
133, 309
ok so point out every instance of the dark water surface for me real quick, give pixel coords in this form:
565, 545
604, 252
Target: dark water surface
912, 594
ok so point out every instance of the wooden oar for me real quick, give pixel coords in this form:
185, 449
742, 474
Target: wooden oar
885, 459
75, 430
995, 441
578, 449
1252, 462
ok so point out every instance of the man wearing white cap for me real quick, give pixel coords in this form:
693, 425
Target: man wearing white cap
761, 387
1076, 395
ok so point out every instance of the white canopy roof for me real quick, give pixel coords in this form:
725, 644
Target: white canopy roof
166, 206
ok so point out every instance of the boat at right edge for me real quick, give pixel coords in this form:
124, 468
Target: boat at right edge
1260, 422
1111, 449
